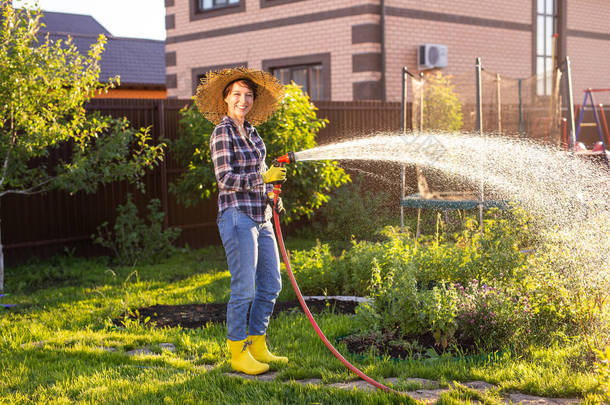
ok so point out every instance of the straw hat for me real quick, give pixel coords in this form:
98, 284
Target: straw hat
210, 102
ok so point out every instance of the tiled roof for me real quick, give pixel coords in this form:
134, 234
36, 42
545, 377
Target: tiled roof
72, 24
136, 61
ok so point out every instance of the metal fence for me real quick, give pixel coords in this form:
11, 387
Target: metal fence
43, 225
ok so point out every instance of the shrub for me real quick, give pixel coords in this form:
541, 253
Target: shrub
395, 303
440, 306
132, 239
491, 318
353, 212
602, 367
292, 128
442, 107
313, 270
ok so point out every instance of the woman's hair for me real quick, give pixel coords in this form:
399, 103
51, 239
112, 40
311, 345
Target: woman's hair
246, 82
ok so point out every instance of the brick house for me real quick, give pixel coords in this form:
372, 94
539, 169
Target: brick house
140, 63
345, 50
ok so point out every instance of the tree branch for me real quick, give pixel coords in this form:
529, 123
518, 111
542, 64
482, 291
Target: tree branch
29, 191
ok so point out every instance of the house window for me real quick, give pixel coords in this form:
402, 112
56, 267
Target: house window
206, 5
546, 26
309, 77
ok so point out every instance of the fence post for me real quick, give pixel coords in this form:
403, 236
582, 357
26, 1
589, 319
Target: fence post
479, 98
403, 127
163, 165
499, 102
570, 103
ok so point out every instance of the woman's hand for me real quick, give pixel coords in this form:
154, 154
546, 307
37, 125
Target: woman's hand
274, 174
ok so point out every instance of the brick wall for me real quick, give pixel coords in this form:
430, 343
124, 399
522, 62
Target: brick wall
500, 32
325, 36
588, 46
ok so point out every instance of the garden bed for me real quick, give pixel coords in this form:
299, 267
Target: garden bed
194, 316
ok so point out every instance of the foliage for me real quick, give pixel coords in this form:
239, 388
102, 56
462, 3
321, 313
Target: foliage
602, 367
134, 240
477, 289
46, 138
442, 107
490, 317
440, 306
47, 141
292, 128
353, 212
492, 255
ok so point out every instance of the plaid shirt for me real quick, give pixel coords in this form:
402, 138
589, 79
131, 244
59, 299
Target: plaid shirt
238, 164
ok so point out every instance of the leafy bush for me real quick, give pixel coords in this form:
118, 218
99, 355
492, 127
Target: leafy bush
353, 212
490, 317
491, 256
442, 107
602, 366
132, 239
475, 289
292, 128
313, 271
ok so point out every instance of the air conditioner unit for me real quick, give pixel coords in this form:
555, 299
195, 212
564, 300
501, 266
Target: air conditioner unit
430, 56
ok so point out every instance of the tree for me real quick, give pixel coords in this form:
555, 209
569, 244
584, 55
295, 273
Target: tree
292, 128
47, 140
442, 107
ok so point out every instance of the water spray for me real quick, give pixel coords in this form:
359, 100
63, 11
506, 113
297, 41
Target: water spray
289, 158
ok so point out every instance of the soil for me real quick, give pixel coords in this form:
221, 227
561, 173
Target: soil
194, 316
197, 315
388, 344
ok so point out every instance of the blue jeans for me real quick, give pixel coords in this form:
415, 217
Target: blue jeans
254, 264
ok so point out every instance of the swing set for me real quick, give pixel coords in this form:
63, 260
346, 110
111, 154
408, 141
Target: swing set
599, 122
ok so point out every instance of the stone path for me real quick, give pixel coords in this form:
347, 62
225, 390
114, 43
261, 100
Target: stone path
429, 393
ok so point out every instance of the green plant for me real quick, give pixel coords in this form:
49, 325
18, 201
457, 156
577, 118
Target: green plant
353, 212
47, 141
292, 128
133, 239
440, 306
492, 318
313, 268
602, 367
442, 107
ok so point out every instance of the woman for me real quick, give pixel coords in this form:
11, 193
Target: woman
236, 99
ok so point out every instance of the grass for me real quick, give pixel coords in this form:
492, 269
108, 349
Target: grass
53, 342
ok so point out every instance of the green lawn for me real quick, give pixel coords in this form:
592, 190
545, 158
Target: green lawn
52, 344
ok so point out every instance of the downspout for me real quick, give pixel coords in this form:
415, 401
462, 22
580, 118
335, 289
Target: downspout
383, 73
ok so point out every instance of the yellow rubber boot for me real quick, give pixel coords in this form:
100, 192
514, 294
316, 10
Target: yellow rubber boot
242, 360
259, 350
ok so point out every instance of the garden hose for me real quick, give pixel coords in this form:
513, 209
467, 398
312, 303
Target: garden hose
277, 188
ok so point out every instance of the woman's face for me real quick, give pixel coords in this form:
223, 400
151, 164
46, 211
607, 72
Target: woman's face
239, 101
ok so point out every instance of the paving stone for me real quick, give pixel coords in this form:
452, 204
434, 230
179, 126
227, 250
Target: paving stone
427, 396
478, 385
524, 399
167, 346
359, 385
310, 381
35, 344
261, 377
424, 382
139, 352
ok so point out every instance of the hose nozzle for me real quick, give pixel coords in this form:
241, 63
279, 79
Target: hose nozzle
286, 159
